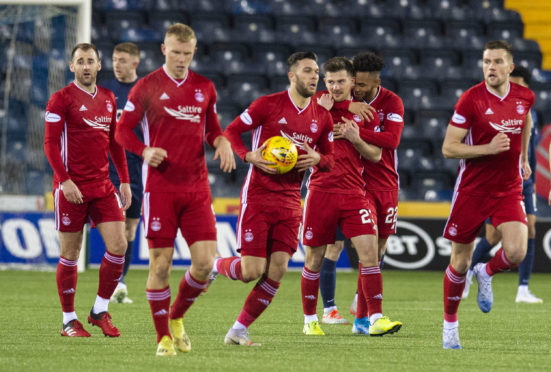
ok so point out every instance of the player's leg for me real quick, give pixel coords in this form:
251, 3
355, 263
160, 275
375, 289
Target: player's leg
130, 226
309, 288
192, 284
328, 279
70, 219
109, 274
525, 268
371, 281
481, 253
454, 283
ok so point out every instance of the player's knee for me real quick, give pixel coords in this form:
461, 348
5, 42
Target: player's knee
250, 274
117, 246
515, 256
202, 268
161, 270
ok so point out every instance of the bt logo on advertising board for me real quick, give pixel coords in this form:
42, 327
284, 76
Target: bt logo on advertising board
411, 247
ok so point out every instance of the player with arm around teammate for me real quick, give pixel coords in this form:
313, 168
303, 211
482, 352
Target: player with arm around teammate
490, 132
337, 198
177, 110
270, 211
80, 128
126, 57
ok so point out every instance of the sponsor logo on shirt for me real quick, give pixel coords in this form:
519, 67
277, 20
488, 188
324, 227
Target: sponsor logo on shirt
246, 117
129, 106
489, 112
297, 138
99, 122
459, 119
51, 117
508, 126
394, 117
189, 113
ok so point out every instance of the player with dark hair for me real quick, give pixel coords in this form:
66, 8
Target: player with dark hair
126, 57
270, 213
520, 75
80, 130
381, 178
490, 132
337, 198
177, 110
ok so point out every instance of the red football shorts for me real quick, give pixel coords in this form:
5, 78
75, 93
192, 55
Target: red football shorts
385, 207
263, 230
165, 212
324, 211
101, 203
469, 212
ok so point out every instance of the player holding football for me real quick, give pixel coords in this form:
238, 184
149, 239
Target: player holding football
489, 132
270, 213
177, 110
126, 57
79, 135
381, 178
337, 198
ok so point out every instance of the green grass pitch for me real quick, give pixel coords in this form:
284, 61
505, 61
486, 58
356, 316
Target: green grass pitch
510, 337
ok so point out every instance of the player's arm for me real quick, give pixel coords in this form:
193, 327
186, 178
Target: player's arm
249, 119
215, 138
351, 132
526, 132
362, 109
454, 148
131, 116
324, 159
119, 160
54, 124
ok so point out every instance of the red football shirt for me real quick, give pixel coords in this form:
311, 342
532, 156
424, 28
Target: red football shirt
484, 114
80, 130
177, 116
277, 115
346, 175
383, 176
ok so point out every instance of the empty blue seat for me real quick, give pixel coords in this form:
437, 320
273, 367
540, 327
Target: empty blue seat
253, 28
160, 20
210, 27
227, 113
279, 83
119, 20
245, 88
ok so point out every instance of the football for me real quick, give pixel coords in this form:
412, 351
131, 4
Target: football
282, 152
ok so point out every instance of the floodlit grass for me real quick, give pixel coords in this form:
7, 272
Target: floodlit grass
510, 337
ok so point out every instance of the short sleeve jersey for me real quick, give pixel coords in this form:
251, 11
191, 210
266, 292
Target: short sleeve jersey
88, 125
178, 116
346, 175
277, 115
484, 114
383, 175
121, 91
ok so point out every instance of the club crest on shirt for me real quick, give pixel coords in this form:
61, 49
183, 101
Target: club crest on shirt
65, 219
314, 126
309, 234
155, 224
356, 118
249, 236
109, 105
520, 109
199, 97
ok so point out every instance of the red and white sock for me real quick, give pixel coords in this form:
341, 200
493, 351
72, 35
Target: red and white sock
190, 289
372, 285
309, 287
110, 272
361, 309
159, 302
258, 300
66, 278
230, 267
499, 263
454, 283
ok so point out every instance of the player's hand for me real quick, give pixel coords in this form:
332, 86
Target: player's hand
71, 192
256, 159
549, 198
326, 101
154, 156
225, 153
526, 170
350, 130
365, 111
337, 131
310, 159
126, 195
499, 143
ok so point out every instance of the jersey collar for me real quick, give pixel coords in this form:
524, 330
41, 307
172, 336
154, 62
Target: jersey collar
300, 111
500, 98
93, 95
376, 95
174, 80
